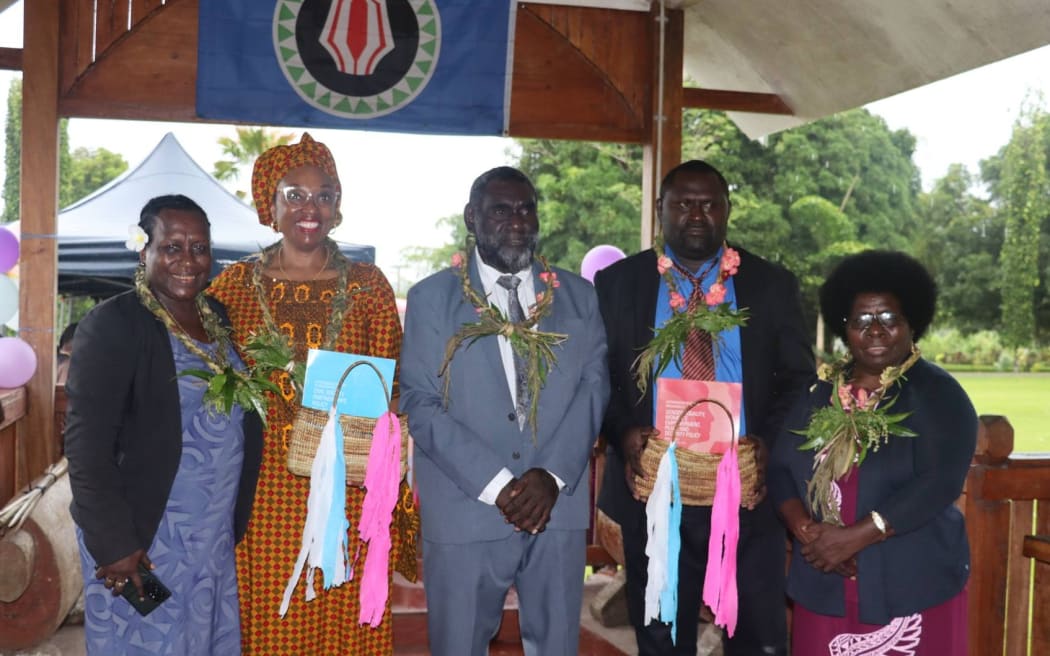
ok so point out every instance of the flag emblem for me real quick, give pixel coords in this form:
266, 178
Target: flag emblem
357, 59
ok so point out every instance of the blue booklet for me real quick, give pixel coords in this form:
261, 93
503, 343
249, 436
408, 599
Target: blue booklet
362, 393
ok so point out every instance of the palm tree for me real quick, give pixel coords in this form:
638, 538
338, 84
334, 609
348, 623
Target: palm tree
243, 150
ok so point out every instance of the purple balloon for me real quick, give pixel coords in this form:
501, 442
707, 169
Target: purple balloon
17, 362
597, 259
8, 249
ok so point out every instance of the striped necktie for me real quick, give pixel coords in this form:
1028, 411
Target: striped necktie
517, 315
698, 360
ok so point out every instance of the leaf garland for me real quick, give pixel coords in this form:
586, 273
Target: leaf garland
843, 432
535, 347
275, 350
226, 385
668, 340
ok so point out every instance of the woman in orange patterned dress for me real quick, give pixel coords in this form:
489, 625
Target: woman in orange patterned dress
305, 288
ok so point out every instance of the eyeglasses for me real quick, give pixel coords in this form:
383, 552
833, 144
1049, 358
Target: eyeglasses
298, 197
862, 322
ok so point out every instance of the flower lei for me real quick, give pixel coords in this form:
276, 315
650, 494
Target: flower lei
271, 348
843, 432
226, 385
713, 317
535, 347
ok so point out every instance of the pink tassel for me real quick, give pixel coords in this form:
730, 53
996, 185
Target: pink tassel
720, 591
382, 479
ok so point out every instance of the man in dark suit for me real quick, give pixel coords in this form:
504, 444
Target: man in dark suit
503, 504
770, 355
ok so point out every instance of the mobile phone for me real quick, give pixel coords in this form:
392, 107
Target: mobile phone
155, 592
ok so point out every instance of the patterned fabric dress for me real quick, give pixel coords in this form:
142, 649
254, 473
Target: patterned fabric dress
266, 556
937, 631
193, 547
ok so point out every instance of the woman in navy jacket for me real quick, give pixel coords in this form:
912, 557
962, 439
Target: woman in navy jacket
880, 556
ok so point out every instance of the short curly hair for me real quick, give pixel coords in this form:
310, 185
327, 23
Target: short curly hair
878, 271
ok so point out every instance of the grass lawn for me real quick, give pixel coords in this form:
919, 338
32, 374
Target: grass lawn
1023, 398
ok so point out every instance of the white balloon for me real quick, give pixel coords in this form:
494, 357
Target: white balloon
8, 299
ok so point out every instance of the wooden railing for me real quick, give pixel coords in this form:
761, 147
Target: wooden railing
1007, 507
12, 408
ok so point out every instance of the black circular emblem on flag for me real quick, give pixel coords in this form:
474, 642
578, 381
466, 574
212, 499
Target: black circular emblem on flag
357, 58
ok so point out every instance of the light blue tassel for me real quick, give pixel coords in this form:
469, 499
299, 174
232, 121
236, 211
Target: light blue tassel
669, 594
337, 526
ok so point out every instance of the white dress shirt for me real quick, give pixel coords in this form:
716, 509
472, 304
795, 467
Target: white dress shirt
499, 296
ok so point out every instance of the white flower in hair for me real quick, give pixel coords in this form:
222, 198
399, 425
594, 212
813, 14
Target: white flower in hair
137, 238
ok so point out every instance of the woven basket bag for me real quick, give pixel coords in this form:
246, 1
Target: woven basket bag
357, 435
697, 472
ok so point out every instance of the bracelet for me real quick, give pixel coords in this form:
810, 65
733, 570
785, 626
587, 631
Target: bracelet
879, 522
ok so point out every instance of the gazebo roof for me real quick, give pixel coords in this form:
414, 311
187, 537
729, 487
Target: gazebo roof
825, 56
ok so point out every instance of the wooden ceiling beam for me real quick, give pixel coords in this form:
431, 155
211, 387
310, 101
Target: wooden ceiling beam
735, 101
11, 59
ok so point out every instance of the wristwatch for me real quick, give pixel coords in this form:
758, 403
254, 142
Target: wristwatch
879, 522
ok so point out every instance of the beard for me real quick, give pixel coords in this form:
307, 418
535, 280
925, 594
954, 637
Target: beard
508, 259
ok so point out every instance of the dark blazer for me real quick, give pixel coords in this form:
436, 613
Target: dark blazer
913, 483
124, 429
776, 354
460, 447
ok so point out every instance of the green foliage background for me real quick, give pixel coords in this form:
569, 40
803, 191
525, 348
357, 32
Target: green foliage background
806, 197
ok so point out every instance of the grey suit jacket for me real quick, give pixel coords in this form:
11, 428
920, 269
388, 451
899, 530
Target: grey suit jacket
461, 447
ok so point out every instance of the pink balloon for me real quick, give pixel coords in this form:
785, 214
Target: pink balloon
597, 259
17, 362
8, 249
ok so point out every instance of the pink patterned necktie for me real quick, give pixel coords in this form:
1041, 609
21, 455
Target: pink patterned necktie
698, 359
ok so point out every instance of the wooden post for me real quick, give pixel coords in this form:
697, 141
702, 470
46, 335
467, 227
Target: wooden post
39, 207
987, 524
662, 150
1041, 587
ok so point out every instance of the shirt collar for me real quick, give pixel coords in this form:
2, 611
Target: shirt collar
490, 275
703, 265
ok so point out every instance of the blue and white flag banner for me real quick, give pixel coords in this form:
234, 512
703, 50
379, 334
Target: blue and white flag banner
421, 66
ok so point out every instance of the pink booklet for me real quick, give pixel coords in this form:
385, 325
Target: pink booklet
706, 428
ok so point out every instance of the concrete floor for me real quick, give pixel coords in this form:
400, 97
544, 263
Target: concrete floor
69, 639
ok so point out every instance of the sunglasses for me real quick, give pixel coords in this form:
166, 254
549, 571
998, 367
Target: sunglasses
298, 197
862, 322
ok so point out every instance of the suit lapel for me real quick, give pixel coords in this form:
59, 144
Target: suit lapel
489, 346
744, 286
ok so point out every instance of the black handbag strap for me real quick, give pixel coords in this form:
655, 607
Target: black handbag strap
339, 387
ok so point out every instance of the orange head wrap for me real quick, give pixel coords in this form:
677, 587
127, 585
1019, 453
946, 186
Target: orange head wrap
271, 167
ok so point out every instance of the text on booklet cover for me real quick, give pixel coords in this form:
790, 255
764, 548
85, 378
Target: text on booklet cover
706, 428
362, 393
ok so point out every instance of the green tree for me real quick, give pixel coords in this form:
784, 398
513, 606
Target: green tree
804, 199
589, 194
90, 170
430, 259
240, 152
13, 155
959, 237
12, 151
1024, 193
855, 161
712, 136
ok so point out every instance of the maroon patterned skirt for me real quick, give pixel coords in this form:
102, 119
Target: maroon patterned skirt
936, 631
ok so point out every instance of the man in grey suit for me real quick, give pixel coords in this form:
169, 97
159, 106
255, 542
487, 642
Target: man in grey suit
503, 503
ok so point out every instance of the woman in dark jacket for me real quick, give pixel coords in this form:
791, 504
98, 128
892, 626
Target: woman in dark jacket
867, 471
163, 480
